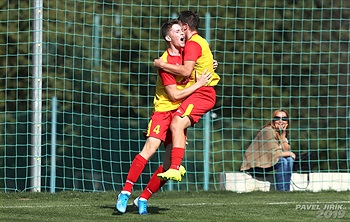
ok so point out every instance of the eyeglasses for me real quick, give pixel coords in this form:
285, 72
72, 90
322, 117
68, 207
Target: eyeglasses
283, 118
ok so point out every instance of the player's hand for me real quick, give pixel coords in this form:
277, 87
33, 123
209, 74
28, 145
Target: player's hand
215, 64
158, 62
204, 78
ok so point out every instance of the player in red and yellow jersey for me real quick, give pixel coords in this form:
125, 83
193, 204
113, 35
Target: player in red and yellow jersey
197, 57
170, 92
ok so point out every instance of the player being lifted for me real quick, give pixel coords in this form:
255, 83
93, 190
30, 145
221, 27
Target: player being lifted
197, 58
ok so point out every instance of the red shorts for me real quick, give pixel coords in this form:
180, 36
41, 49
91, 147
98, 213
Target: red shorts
197, 104
158, 126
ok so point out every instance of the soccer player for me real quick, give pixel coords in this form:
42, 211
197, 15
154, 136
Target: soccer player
197, 58
170, 92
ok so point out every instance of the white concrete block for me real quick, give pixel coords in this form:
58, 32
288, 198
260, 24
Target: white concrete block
243, 182
329, 181
299, 181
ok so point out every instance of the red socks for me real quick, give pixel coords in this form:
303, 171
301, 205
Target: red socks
177, 154
154, 184
136, 168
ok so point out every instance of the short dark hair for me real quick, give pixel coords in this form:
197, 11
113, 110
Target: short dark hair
167, 26
190, 18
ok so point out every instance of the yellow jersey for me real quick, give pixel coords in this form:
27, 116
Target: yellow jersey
197, 49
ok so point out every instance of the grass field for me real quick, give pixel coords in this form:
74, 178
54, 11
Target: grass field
178, 206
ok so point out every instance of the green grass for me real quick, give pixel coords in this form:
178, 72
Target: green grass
175, 206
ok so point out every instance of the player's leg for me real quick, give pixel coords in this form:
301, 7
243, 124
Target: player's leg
153, 185
135, 170
178, 150
156, 132
139, 162
156, 183
189, 113
178, 126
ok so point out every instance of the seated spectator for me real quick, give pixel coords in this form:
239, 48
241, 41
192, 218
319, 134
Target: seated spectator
270, 151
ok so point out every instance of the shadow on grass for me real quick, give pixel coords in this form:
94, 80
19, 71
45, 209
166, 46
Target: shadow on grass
134, 210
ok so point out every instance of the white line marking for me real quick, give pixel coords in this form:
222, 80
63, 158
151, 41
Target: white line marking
271, 203
46, 206
192, 204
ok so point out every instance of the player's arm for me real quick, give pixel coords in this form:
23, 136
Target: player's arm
179, 70
176, 94
184, 70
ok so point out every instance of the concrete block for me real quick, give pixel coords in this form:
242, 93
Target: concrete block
244, 182
329, 181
